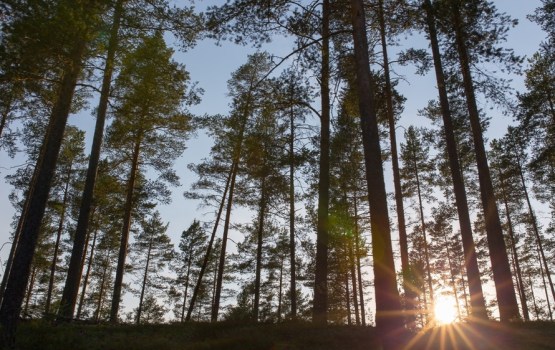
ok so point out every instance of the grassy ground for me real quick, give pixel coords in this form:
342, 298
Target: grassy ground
229, 336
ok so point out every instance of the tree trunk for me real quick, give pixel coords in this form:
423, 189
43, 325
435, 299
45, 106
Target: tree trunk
209, 248
389, 320
29, 292
38, 196
506, 298
423, 227
186, 289
536, 309
292, 254
521, 289
57, 246
353, 278
535, 227
260, 234
320, 303
143, 285
75, 269
116, 296
477, 301
410, 295
221, 265
102, 290
87, 273
359, 268
545, 287
452, 275
280, 295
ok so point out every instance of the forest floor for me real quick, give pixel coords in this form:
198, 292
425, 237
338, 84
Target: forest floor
305, 336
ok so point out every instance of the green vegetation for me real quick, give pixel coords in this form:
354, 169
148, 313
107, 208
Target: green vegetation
293, 335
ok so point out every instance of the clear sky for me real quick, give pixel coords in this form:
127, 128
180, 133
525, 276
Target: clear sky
212, 65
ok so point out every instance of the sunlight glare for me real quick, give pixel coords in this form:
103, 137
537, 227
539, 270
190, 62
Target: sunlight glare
445, 310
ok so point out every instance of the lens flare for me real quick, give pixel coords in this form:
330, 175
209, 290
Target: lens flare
445, 310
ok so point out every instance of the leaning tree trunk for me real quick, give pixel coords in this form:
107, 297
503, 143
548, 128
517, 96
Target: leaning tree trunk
209, 248
120, 270
186, 291
145, 280
320, 303
506, 298
235, 167
38, 196
389, 320
75, 269
477, 301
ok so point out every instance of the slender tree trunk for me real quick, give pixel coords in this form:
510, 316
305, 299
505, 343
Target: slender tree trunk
143, 285
209, 248
423, 227
452, 275
521, 288
320, 303
221, 265
359, 268
545, 287
292, 254
389, 320
116, 296
260, 234
280, 295
410, 295
75, 269
235, 167
186, 289
536, 309
54, 261
87, 273
477, 301
29, 292
353, 279
101, 291
506, 298
535, 227
38, 196
348, 298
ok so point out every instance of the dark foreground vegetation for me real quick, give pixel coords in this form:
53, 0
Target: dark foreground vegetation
491, 335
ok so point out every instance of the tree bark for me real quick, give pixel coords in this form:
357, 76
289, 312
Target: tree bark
359, 268
38, 196
389, 320
143, 285
87, 273
260, 234
57, 246
209, 248
477, 301
320, 303
292, 254
75, 269
506, 298
410, 295
116, 296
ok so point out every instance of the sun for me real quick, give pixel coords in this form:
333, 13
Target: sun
445, 310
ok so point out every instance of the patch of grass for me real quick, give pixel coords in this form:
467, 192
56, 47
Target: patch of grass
285, 336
